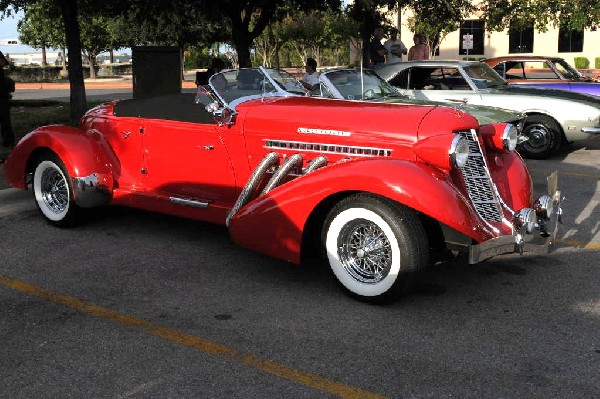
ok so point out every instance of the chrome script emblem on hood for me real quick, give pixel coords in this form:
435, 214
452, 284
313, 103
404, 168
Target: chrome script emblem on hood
328, 132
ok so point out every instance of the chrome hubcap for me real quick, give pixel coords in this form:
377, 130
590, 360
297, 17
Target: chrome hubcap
364, 251
54, 190
539, 137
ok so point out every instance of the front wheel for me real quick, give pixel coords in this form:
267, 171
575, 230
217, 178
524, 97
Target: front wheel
374, 247
52, 192
544, 137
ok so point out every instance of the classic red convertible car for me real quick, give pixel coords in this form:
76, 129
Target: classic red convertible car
375, 188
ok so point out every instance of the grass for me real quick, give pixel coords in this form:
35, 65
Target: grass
27, 115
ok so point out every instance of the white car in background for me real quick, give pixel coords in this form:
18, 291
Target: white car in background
366, 85
553, 116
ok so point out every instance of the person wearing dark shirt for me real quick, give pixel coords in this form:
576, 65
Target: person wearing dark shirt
8, 137
377, 51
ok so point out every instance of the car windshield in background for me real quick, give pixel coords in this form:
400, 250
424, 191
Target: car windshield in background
567, 70
484, 77
350, 85
239, 83
286, 81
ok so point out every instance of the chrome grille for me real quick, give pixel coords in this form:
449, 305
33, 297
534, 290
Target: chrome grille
478, 181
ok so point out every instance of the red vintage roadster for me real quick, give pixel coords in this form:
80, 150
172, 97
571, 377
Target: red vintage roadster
377, 189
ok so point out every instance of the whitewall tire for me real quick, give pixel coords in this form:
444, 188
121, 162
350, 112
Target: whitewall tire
52, 192
374, 246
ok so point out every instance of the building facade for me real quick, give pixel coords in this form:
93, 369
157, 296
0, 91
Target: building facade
486, 44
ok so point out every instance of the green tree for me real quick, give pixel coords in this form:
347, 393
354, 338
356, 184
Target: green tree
437, 18
248, 19
40, 32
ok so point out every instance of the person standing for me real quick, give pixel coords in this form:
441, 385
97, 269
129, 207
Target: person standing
394, 47
8, 137
420, 51
377, 52
310, 80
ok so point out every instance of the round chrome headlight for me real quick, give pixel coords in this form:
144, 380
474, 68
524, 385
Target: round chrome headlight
459, 151
525, 219
510, 137
544, 207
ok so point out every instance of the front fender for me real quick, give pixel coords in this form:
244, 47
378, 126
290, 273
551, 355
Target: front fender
86, 157
273, 223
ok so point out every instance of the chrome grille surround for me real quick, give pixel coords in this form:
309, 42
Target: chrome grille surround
480, 187
328, 148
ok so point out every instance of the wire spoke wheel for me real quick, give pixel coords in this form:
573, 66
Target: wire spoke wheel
374, 246
365, 251
52, 192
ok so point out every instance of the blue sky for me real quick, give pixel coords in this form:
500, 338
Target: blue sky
8, 30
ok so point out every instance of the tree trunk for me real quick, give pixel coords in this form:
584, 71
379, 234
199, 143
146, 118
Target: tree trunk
111, 56
44, 60
91, 61
78, 100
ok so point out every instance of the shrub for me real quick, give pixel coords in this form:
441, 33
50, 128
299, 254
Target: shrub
597, 62
582, 63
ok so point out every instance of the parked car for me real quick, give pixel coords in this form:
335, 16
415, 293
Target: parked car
377, 189
545, 72
366, 85
553, 116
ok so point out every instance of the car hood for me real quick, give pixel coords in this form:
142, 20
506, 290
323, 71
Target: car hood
485, 115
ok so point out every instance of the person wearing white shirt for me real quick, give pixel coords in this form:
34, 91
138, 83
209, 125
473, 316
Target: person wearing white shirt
310, 80
394, 47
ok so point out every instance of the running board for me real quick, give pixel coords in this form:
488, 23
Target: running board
188, 202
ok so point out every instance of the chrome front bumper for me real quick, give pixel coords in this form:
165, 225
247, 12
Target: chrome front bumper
537, 243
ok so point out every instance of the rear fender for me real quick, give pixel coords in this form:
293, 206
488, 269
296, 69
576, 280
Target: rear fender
273, 223
87, 157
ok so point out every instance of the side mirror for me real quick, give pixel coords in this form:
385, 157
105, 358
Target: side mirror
224, 116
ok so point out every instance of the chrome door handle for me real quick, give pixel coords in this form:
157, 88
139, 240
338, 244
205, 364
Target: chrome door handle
125, 134
208, 147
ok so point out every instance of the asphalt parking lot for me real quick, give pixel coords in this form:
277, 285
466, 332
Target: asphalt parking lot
134, 304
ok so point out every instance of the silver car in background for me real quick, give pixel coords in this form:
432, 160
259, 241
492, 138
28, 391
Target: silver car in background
553, 116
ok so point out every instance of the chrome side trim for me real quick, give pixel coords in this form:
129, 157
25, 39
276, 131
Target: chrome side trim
594, 130
188, 202
328, 148
89, 191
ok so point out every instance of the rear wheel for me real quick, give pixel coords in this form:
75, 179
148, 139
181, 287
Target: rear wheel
53, 193
374, 247
544, 137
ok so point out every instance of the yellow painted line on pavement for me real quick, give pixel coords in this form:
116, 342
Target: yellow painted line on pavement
204, 345
578, 244
567, 173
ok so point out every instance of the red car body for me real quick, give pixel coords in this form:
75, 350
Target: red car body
131, 153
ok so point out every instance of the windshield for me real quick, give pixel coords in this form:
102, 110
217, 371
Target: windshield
286, 81
353, 85
483, 76
235, 86
567, 70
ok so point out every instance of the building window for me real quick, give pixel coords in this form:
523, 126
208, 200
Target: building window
520, 40
570, 41
476, 28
